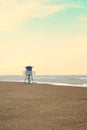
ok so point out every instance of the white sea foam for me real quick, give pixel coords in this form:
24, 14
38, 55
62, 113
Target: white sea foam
83, 78
62, 84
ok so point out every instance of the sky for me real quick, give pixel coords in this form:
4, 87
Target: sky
50, 35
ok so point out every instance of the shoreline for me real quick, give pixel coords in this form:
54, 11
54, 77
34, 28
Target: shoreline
54, 84
42, 107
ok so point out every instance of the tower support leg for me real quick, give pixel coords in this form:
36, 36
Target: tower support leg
29, 79
25, 79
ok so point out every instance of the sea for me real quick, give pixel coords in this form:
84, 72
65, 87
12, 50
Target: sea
63, 80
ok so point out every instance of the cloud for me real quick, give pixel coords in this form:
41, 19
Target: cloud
76, 5
82, 20
13, 12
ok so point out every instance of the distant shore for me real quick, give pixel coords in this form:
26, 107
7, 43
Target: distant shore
42, 107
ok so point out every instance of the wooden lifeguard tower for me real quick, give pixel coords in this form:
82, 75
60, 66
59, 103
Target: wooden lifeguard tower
28, 74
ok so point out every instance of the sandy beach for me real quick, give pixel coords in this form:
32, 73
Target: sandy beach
42, 107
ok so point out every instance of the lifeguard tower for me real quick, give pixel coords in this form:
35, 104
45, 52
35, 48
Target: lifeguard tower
28, 74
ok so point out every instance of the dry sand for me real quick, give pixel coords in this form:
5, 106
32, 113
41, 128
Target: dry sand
42, 107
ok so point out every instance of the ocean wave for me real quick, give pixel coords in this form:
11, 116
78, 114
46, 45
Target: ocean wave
62, 84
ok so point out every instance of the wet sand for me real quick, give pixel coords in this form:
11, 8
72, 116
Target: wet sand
42, 107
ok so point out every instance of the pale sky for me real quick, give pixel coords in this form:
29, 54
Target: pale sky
50, 35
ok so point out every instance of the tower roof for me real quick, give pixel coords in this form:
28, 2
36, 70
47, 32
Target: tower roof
29, 67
